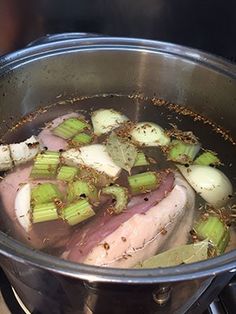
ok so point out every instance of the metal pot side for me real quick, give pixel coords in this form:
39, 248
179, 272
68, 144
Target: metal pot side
34, 77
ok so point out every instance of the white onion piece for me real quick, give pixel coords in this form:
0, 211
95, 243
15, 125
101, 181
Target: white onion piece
105, 120
94, 156
25, 151
22, 206
5, 158
149, 134
210, 183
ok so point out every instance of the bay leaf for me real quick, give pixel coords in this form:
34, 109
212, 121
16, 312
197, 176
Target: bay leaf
122, 152
183, 254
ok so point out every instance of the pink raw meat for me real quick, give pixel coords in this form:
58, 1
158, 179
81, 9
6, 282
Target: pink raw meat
147, 228
86, 238
42, 235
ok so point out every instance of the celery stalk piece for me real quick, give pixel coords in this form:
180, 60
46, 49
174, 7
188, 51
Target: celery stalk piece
45, 165
77, 212
44, 212
181, 152
82, 139
120, 194
70, 127
141, 160
143, 182
67, 173
207, 158
45, 193
215, 231
80, 188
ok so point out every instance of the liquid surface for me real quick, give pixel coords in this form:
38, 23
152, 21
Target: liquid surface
135, 110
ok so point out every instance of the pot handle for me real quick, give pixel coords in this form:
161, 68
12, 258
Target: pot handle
50, 38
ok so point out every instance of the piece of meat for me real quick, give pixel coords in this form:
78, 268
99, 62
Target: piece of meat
144, 234
182, 229
115, 241
53, 142
42, 235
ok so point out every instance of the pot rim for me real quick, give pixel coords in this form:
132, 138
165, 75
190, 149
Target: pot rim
20, 252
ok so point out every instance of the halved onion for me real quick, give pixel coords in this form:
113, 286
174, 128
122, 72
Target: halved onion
25, 151
5, 158
94, 156
22, 206
105, 120
210, 183
149, 134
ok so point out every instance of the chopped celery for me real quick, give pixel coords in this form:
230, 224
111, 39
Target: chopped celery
120, 194
141, 160
67, 173
207, 158
45, 165
215, 231
44, 212
143, 182
78, 212
82, 139
181, 152
70, 128
44, 193
80, 188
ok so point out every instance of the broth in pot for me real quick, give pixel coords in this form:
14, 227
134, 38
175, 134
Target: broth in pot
119, 181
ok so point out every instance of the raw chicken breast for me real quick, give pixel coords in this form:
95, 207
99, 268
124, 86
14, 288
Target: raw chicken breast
137, 234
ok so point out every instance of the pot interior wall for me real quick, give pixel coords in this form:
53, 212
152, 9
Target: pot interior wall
39, 80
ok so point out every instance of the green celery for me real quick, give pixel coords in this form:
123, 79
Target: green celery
181, 152
45, 165
141, 160
207, 158
44, 193
77, 212
70, 127
120, 194
215, 231
82, 139
44, 212
80, 188
67, 173
143, 182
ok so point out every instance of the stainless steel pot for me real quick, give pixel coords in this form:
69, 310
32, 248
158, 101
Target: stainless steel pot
73, 65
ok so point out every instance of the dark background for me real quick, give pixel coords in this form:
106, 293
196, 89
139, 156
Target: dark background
209, 25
